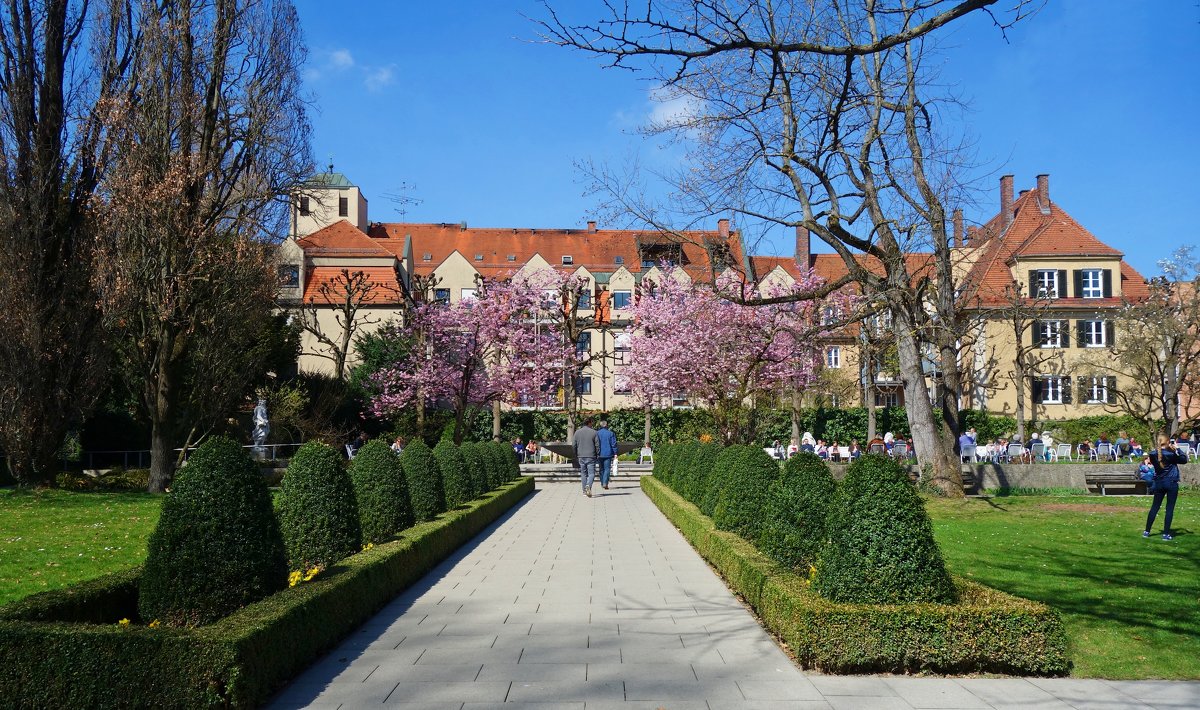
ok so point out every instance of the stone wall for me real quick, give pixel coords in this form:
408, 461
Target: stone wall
1051, 475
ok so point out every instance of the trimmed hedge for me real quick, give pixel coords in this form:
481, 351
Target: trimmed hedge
720, 473
793, 531
456, 479
217, 546
987, 631
424, 481
51, 660
381, 491
494, 462
881, 548
743, 499
317, 510
476, 467
681, 471
700, 471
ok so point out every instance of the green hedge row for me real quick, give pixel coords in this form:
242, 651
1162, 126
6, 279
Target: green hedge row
987, 631
64, 648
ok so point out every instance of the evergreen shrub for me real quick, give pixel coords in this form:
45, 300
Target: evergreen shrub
664, 462
681, 471
476, 468
494, 463
881, 548
700, 471
217, 546
456, 478
797, 505
318, 512
717, 477
510, 467
381, 492
743, 501
424, 481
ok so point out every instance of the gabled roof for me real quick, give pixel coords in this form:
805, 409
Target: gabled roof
328, 179
326, 285
342, 239
831, 267
597, 251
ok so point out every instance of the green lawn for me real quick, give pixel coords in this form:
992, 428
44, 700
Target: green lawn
1131, 605
50, 539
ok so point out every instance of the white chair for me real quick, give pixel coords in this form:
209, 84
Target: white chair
1104, 452
646, 455
844, 453
900, 450
1185, 448
1015, 452
1037, 451
349, 451
968, 452
1063, 451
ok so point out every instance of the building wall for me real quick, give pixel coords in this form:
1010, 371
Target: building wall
312, 351
323, 209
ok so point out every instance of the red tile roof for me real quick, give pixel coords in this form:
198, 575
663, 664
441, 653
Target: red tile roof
340, 239
326, 285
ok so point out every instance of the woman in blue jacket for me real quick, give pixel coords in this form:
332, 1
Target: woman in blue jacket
1165, 459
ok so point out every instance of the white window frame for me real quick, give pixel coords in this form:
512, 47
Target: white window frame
1097, 391
584, 386
568, 260
833, 357
628, 299
467, 294
584, 301
1052, 385
621, 385
1095, 334
1047, 284
441, 299
1052, 327
1091, 283
887, 398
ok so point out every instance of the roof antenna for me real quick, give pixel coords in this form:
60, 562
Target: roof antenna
331, 163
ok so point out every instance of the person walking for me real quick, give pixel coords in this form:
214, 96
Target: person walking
586, 445
1165, 459
606, 449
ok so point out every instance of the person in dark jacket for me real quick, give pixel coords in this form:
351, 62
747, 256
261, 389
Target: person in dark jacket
606, 442
586, 445
1165, 459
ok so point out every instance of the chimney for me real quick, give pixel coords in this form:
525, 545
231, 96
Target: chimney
591, 226
1006, 200
1043, 188
971, 231
803, 247
958, 228
723, 227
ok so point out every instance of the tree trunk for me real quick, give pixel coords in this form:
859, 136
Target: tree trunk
1020, 410
496, 420
646, 431
162, 463
923, 422
796, 401
420, 403
161, 410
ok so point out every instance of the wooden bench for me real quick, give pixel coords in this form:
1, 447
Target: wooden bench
1121, 479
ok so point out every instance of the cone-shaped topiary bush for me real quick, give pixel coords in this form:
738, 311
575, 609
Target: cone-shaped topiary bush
881, 548
424, 481
793, 529
700, 470
681, 469
514, 463
318, 513
743, 501
494, 461
664, 460
217, 545
381, 492
717, 477
476, 468
456, 479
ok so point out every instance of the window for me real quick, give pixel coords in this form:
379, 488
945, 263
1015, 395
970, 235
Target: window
427, 257
618, 259
830, 315
621, 385
441, 295
1052, 389
621, 349
467, 294
585, 299
679, 400
833, 357
834, 401
343, 207
584, 344
620, 299
511, 257
567, 260
887, 398
304, 211
1044, 283
1096, 390
479, 257
1092, 283
1094, 333
549, 299
289, 276
583, 385
1049, 333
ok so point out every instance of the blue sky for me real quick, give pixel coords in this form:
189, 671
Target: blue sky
457, 101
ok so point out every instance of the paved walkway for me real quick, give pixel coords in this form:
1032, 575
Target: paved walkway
573, 603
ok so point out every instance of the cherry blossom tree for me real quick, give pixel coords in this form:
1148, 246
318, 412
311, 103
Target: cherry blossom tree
475, 352
718, 346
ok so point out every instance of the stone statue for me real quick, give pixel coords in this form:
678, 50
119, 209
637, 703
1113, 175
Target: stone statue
262, 427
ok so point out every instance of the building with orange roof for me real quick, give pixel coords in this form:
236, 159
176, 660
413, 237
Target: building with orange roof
1073, 284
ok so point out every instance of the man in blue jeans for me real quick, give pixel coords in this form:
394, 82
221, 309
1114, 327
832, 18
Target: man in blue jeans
607, 448
586, 446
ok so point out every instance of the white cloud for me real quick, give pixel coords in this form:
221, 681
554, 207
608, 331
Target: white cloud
341, 59
379, 78
671, 108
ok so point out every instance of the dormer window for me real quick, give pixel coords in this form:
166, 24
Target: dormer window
304, 210
343, 207
427, 257
618, 259
479, 257
512, 257
567, 260
289, 276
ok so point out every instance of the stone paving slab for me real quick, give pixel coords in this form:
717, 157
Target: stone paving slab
574, 603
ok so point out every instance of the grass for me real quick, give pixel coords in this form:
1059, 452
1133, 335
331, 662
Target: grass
50, 539
1131, 605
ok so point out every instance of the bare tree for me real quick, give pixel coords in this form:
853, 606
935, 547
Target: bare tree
343, 297
211, 138
822, 116
53, 152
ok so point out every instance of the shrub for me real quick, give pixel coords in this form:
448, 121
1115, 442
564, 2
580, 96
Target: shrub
743, 500
476, 468
664, 460
217, 545
456, 481
700, 471
681, 470
424, 481
381, 492
797, 505
494, 462
881, 548
717, 477
317, 509
506, 460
